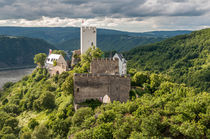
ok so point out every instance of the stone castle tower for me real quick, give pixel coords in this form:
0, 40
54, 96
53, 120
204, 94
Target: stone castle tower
87, 38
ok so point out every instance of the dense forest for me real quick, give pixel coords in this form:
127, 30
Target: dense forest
20, 51
186, 58
41, 107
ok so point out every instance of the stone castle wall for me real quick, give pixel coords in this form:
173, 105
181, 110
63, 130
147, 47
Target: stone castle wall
108, 66
96, 86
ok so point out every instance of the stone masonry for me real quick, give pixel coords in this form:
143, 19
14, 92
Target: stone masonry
107, 65
96, 86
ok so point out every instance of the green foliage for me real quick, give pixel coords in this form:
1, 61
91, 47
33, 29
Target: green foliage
41, 132
185, 58
80, 115
139, 79
159, 108
46, 101
91, 103
54, 63
39, 59
103, 131
32, 124
26, 135
68, 85
86, 58
7, 85
61, 52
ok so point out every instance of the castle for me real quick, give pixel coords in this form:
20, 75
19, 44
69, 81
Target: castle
107, 80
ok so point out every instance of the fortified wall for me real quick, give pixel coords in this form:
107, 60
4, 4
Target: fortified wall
107, 65
96, 86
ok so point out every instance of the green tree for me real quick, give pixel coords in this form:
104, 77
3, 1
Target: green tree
80, 115
68, 85
61, 52
32, 124
39, 59
139, 79
86, 58
41, 132
47, 100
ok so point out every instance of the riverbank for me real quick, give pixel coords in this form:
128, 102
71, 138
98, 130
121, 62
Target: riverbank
13, 75
17, 68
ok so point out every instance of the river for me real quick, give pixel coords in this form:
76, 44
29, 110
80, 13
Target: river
13, 75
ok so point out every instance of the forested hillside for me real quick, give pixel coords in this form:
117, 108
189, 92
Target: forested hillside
41, 107
185, 58
20, 51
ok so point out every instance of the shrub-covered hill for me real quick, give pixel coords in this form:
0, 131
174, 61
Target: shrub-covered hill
185, 58
41, 107
19, 51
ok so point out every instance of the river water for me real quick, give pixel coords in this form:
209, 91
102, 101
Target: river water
13, 75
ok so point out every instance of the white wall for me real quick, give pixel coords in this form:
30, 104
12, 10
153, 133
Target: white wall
87, 37
122, 65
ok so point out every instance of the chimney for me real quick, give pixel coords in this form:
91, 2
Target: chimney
50, 51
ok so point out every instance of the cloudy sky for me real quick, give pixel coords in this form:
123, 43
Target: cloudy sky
127, 15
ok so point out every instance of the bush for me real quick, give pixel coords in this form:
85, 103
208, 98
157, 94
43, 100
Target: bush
139, 79
7, 85
12, 108
41, 132
103, 131
32, 124
9, 136
80, 115
47, 100
26, 135
12, 122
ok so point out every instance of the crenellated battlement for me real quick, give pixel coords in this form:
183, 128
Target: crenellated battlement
89, 28
105, 60
101, 75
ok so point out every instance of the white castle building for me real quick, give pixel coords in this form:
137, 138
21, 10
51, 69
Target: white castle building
87, 38
122, 63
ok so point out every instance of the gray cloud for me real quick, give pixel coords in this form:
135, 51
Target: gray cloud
35, 9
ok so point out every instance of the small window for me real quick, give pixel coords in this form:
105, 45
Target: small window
77, 89
91, 43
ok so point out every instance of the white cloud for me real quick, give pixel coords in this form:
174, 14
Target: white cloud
128, 15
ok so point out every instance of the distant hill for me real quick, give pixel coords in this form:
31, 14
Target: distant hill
68, 37
186, 58
112, 42
20, 51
